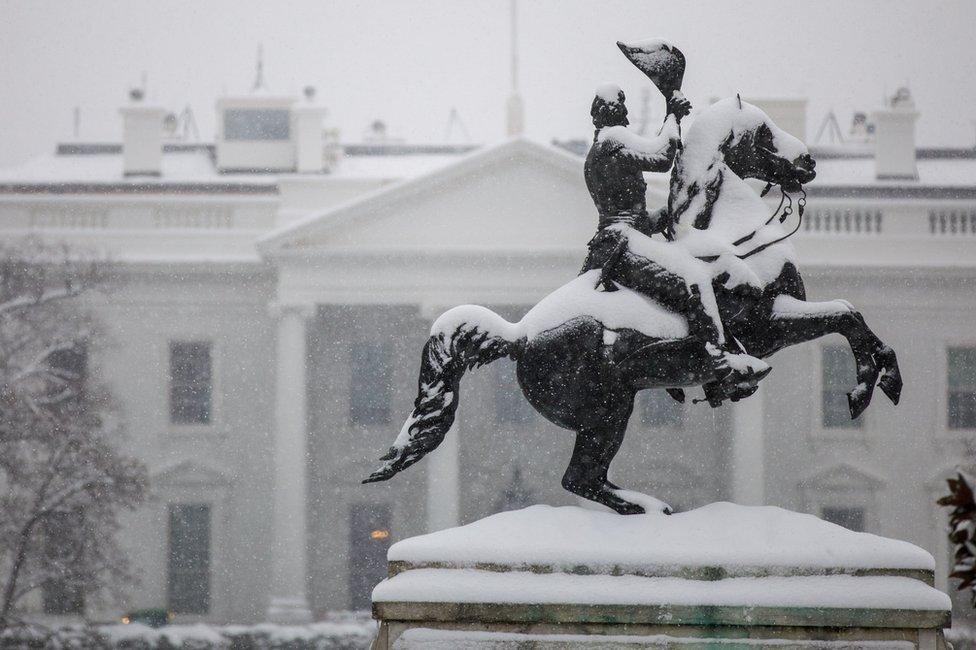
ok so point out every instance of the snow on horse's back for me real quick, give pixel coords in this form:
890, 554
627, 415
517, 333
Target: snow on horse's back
620, 309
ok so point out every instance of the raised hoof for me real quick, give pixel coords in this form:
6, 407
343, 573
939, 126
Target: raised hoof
890, 385
890, 382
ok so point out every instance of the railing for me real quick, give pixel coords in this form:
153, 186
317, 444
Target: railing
952, 222
844, 220
193, 217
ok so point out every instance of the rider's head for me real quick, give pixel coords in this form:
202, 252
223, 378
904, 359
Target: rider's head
608, 107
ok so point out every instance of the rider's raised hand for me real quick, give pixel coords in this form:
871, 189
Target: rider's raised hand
678, 105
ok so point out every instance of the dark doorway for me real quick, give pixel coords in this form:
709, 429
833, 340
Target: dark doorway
369, 540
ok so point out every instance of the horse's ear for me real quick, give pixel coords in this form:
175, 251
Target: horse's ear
739, 99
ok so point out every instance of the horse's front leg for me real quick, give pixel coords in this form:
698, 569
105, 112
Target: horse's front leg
795, 321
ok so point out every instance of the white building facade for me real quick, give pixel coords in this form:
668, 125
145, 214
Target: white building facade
265, 345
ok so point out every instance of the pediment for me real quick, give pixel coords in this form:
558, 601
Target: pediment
190, 472
518, 195
843, 476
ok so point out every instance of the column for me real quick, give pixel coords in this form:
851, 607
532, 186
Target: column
748, 450
443, 464
443, 485
288, 598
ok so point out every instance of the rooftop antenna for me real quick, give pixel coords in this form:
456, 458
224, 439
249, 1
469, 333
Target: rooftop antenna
516, 114
259, 70
454, 121
76, 129
831, 127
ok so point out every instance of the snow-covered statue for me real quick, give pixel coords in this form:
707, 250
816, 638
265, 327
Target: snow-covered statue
696, 296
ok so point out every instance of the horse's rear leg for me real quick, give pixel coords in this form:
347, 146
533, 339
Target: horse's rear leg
586, 475
797, 321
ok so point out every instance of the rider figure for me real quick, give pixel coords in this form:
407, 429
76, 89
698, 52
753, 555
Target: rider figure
624, 250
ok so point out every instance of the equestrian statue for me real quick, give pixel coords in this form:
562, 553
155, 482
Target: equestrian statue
696, 294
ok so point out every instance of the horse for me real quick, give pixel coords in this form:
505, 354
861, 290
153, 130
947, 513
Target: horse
583, 353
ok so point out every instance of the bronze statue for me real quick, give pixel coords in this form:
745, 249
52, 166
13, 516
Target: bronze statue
654, 313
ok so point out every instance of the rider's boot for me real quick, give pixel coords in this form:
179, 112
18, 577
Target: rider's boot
737, 374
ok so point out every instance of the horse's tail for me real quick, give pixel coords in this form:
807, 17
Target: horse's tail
463, 338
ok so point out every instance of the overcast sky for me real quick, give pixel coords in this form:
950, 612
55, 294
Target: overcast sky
409, 62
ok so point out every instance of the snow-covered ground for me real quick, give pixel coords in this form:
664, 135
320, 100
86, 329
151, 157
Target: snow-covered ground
344, 631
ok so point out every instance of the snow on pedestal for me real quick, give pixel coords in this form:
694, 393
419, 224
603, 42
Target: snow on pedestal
721, 571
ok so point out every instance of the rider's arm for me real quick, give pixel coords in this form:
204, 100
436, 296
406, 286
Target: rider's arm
649, 154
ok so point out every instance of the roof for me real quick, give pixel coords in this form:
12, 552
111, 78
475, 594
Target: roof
370, 204
97, 168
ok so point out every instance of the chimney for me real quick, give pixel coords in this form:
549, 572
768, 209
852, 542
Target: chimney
142, 137
894, 138
309, 144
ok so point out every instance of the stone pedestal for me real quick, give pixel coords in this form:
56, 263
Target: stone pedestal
722, 576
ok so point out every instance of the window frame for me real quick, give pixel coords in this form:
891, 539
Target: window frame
79, 595
857, 425
192, 427
939, 414
824, 507
817, 429
944, 411
356, 421
279, 111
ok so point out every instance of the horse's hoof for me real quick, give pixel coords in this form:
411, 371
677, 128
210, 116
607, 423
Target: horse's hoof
890, 385
627, 508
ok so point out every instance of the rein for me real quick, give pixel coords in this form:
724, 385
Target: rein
801, 205
787, 211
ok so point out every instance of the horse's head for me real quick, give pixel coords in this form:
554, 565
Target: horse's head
751, 144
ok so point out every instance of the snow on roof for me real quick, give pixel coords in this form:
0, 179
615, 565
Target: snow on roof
932, 172
197, 166
101, 168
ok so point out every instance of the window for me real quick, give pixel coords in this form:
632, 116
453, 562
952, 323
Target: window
256, 124
71, 364
369, 540
188, 576
658, 409
839, 376
370, 388
850, 518
61, 592
511, 407
190, 388
961, 403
